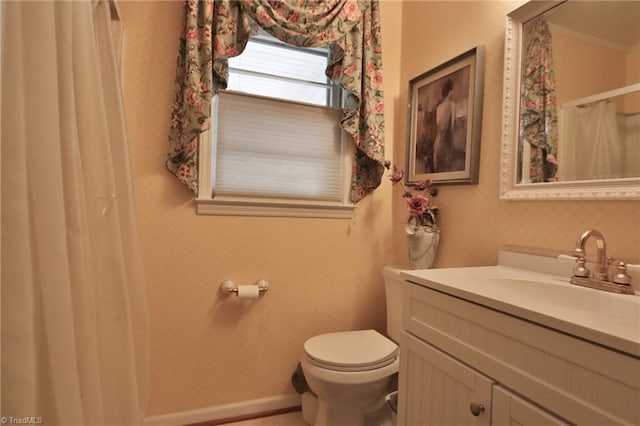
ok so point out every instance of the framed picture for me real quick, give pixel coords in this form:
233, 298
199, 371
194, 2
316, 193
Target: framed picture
445, 118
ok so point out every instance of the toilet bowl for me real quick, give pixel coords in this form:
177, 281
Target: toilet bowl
351, 372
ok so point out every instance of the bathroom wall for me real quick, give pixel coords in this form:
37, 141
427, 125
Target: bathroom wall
325, 274
603, 68
475, 223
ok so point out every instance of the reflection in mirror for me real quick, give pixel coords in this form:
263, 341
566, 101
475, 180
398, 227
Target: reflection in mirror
600, 136
575, 54
538, 141
572, 101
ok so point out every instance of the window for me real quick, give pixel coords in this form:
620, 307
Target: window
269, 67
276, 148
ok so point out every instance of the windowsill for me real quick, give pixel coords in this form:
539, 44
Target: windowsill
273, 208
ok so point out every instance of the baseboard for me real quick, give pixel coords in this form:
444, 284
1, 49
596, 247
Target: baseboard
244, 409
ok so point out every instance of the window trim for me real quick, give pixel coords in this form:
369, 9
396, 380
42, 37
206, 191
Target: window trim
207, 204
232, 206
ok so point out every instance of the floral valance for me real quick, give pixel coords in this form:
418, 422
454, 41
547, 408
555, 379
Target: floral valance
217, 30
538, 105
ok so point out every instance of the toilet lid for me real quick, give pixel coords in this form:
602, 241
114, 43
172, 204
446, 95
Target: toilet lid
359, 350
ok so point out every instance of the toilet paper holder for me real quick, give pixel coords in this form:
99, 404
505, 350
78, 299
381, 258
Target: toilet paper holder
229, 287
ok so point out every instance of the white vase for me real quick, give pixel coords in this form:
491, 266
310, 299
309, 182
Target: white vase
423, 245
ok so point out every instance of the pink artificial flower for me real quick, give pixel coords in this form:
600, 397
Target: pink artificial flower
423, 184
417, 205
396, 176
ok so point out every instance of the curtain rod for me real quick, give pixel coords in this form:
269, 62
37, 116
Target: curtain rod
604, 95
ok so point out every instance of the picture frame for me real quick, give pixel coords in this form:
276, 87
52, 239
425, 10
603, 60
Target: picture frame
445, 121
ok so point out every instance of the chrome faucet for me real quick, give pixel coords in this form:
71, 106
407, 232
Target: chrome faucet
621, 282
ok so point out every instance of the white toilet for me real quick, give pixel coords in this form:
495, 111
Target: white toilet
351, 372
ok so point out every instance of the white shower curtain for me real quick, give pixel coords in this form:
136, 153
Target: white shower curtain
590, 146
74, 319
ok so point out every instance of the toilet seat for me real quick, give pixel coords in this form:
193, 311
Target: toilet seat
351, 351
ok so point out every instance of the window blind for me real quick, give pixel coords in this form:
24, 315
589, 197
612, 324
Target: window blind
268, 67
277, 149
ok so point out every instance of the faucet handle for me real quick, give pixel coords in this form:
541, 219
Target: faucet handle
622, 277
578, 252
581, 269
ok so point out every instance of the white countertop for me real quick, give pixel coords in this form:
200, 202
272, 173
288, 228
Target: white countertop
605, 318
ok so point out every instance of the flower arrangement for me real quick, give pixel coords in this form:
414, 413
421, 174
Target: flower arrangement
421, 210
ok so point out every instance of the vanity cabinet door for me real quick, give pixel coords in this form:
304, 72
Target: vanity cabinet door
510, 409
439, 390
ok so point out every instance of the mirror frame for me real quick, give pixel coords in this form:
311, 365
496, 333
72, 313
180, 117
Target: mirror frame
599, 189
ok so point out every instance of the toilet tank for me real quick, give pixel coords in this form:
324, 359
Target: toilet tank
393, 290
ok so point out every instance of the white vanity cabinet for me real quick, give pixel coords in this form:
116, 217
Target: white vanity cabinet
458, 387
511, 409
465, 363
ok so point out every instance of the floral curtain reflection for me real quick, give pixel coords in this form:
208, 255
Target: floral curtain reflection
538, 102
217, 30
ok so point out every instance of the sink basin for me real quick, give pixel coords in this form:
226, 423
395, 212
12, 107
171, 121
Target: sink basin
566, 299
606, 318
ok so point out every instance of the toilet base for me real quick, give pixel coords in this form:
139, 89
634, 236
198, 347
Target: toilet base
309, 407
315, 413
354, 396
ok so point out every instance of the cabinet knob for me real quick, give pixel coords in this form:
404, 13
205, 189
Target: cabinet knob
476, 409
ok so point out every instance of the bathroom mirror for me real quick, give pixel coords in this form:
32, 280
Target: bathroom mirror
593, 75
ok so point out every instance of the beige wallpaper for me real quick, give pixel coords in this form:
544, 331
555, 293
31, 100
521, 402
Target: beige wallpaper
325, 275
475, 223
603, 68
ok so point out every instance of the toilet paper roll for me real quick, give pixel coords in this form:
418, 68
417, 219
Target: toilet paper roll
248, 292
